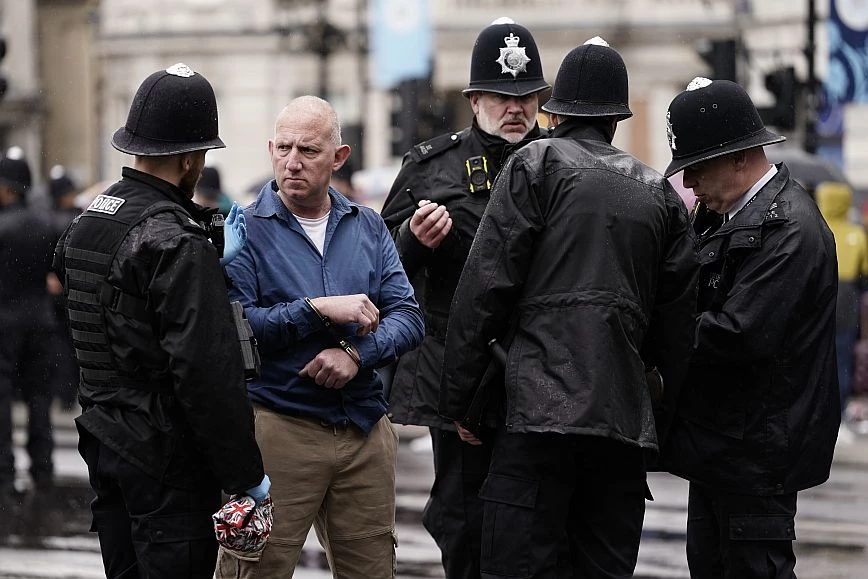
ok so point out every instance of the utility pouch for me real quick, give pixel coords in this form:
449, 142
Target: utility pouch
249, 350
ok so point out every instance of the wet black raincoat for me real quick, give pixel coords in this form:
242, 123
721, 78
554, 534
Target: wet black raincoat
759, 410
587, 255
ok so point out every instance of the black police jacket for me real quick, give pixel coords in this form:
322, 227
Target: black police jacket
173, 401
759, 411
437, 170
26, 241
588, 254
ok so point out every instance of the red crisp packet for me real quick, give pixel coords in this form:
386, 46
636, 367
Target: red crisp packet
241, 525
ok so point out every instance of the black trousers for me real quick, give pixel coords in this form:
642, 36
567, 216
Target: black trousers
147, 529
562, 506
25, 350
453, 515
740, 536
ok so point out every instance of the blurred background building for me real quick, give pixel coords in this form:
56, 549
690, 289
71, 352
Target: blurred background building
394, 70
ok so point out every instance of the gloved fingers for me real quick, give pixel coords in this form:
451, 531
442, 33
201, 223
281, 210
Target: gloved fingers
233, 213
242, 228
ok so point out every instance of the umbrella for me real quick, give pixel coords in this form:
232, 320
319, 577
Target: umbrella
808, 169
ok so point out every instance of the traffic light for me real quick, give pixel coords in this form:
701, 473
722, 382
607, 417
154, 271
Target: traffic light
783, 85
403, 117
720, 56
3, 83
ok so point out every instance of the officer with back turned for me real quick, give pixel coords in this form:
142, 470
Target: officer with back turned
433, 209
584, 268
165, 423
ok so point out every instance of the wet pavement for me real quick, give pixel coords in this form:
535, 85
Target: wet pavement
48, 537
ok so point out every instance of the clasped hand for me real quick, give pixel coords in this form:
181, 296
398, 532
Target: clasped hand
352, 309
331, 368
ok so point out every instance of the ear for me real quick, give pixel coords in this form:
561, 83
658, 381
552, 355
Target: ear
342, 153
739, 160
474, 102
270, 147
186, 161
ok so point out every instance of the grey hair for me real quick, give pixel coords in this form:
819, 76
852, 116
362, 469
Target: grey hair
317, 106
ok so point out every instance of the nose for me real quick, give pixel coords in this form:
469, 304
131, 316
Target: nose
513, 105
688, 179
293, 160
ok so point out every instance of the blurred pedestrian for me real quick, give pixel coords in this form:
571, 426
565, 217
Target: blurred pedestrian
851, 243
583, 268
28, 326
209, 192
62, 190
165, 421
433, 210
329, 302
342, 182
759, 411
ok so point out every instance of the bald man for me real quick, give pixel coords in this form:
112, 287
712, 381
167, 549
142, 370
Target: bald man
329, 302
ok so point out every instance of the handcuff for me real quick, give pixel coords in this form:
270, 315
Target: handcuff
327, 324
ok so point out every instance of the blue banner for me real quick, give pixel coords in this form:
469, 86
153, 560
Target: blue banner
847, 78
400, 41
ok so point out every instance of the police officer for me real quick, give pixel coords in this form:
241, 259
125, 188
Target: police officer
433, 209
62, 190
759, 413
584, 267
27, 322
165, 421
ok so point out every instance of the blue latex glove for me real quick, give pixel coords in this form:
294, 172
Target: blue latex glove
260, 491
234, 234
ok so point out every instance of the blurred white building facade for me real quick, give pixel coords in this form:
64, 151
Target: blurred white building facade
258, 55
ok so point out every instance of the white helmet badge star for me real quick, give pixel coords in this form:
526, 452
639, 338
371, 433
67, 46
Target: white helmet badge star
512, 58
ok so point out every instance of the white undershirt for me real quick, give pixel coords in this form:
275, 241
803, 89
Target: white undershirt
315, 229
745, 199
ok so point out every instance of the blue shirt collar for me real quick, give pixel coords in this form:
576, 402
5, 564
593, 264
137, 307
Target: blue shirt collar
269, 204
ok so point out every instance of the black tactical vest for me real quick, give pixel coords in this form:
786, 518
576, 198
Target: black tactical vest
90, 251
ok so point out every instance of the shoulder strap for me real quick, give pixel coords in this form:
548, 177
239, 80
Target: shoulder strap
436, 146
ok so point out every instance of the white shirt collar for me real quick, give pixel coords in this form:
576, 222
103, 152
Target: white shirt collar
745, 199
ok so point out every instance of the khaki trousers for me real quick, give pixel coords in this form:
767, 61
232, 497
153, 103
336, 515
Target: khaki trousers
332, 477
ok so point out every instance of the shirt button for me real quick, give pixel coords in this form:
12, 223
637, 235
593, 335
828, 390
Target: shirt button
710, 254
454, 137
751, 239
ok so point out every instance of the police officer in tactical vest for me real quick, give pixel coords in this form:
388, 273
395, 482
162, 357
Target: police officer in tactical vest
165, 423
433, 209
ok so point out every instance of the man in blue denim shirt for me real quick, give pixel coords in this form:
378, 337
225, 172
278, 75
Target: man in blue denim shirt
328, 301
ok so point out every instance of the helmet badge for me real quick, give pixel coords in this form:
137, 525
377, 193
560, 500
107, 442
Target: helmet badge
512, 58
669, 132
180, 69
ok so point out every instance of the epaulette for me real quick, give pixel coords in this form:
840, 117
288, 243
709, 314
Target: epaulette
434, 147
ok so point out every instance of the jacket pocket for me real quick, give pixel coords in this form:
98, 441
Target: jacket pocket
234, 565
506, 525
762, 528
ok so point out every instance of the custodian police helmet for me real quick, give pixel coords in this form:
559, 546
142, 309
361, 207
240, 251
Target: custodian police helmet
710, 119
591, 82
505, 60
174, 111
15, 171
